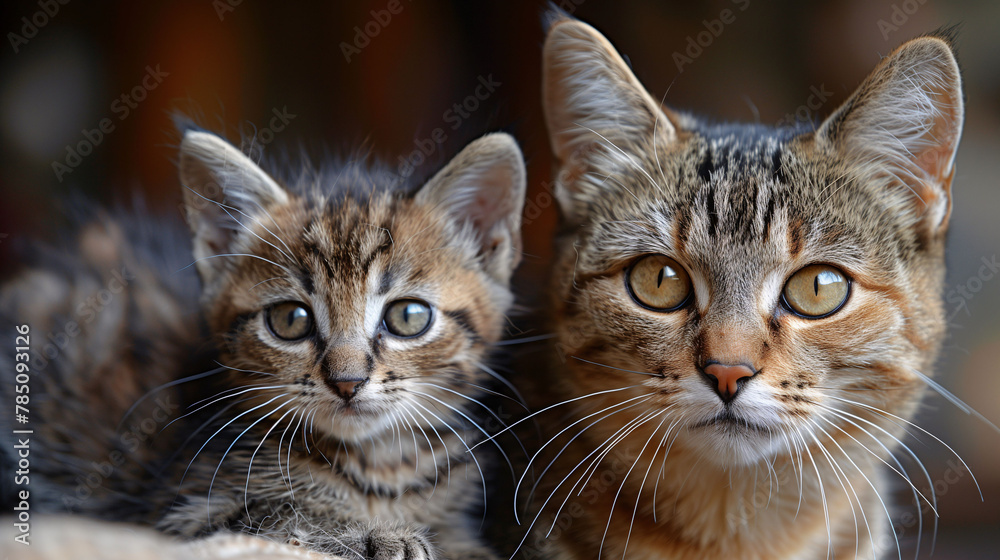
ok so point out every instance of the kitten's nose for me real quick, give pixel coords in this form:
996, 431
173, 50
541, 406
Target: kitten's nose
724, 378
347, 388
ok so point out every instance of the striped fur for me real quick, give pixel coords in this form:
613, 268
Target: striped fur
793, 466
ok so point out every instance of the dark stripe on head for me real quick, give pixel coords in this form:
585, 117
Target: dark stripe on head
713, 217
777, 169
462, 319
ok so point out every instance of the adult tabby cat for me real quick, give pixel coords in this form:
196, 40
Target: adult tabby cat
745, 313
353, 322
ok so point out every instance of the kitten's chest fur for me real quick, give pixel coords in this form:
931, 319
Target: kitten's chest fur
403, 477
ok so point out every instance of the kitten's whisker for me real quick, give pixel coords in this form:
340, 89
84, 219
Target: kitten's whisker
525, 340
822, 492
246, 487
663, 465
240, 391
627, 156
162, 387
484, 407
550, 407
475, 425
196, 261
506, 382
224, 426
467, 449
618, 368
211, 484
226, 208
447, 452
247, 370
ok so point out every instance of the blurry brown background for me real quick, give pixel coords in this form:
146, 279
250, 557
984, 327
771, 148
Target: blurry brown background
235, 67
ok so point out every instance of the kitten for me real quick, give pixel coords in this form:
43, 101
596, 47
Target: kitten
744, 312
353, 321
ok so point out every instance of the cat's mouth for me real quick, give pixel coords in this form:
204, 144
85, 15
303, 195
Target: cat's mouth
727, 420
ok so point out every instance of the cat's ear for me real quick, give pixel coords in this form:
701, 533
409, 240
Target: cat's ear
598, 113
484, 186
902, 126
224, 191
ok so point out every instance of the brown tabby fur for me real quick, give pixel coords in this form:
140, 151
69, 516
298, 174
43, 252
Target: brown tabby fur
276, 451
659, 466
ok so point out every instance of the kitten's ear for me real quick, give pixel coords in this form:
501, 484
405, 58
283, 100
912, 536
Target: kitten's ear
597, 112
484, 186
222, 190
902, 127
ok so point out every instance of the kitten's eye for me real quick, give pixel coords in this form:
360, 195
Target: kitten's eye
816, 291
290, 320
407, 318
659, 283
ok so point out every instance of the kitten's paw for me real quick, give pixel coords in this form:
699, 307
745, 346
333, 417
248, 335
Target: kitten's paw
387, 542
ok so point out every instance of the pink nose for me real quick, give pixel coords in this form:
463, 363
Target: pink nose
724, 378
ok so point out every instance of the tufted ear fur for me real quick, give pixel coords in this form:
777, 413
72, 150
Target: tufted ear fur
595, 108
224, 191
903, 125
484, 186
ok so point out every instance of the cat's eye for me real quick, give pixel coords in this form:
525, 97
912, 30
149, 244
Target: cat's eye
816, 291
407, 318
658, 283
290, 320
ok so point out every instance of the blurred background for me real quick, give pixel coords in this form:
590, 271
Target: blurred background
87, 89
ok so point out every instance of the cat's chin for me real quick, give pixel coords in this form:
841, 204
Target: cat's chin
352, 424
733, 444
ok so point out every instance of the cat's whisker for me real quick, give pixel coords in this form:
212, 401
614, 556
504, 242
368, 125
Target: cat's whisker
847, 417
552, 494
550, 407
603, 450
631, 160
845, 483
642, 484
265, 281
447, 453
953, 399
663, 464
660, 375
934, 437
264, 373
541, 476
822, 493
430, 446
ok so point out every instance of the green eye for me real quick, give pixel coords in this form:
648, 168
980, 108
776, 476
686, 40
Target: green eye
659, 283
816, 291
407, 318
290, 320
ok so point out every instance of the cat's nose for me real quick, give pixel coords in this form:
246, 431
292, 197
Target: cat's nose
347, 388
725, 378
